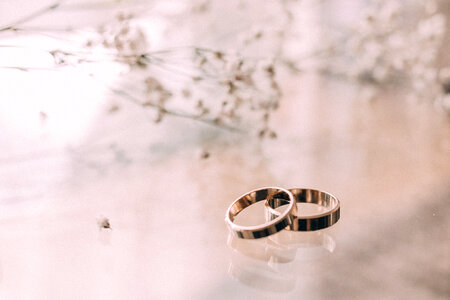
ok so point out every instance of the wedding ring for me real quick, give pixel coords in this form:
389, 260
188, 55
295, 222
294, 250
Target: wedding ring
307, 223
274, 225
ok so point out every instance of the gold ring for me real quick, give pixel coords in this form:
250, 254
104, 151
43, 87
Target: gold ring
274, 225
307, 223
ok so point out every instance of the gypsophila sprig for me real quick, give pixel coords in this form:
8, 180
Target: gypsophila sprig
386, 49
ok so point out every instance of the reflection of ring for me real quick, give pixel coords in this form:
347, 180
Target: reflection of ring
307, 223
281, 255
312, 239
277, 223
262, 278
254, 249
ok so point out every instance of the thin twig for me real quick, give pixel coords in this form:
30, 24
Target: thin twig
26, 69
42, 33
31, 16
135, 101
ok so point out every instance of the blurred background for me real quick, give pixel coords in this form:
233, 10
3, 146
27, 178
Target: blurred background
128, 127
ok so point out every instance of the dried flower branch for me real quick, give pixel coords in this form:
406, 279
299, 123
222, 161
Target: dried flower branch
233, 76
138, 102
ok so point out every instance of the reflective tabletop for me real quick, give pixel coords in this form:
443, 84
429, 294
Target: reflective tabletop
387, 161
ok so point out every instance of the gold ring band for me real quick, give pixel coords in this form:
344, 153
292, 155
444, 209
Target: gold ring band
274, 225
307, 223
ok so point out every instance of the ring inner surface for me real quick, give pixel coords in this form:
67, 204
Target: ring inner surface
305, 196
254, 197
